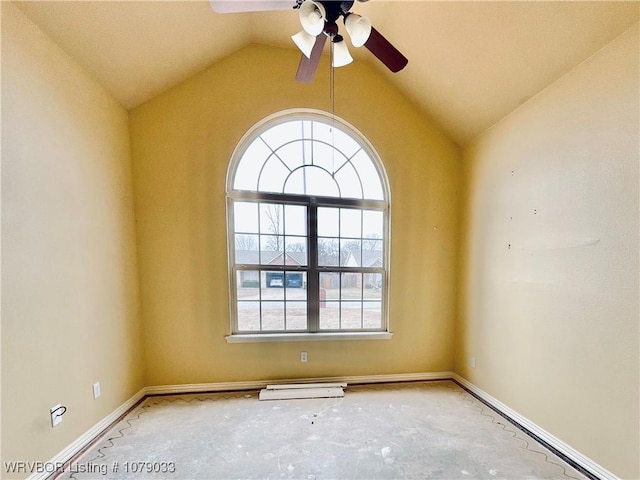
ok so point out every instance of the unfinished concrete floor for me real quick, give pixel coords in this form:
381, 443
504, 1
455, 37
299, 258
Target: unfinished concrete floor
416, 430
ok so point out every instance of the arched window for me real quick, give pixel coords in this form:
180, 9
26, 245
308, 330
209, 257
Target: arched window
308, 223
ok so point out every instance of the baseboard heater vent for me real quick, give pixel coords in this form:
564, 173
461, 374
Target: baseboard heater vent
302, 390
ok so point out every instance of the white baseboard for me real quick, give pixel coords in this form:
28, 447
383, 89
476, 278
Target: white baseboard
258, 384
89, 436
566, 450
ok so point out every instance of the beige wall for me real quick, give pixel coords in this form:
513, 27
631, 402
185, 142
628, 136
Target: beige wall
69, 275
182, 142
553, 319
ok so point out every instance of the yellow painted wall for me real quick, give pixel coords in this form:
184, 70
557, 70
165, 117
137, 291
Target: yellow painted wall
181, 144
70, 303
549, 297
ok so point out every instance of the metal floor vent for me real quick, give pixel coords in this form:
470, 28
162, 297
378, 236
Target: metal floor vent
302, 390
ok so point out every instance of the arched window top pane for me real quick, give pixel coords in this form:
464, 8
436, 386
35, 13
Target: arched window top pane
307, 153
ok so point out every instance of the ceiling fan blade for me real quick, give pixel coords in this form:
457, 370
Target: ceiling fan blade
240, 6
308, 66
386, 53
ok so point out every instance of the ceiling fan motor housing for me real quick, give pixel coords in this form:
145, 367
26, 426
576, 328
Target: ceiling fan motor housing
334, 8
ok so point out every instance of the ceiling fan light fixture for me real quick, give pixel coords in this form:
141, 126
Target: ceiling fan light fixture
312, 16
341, 55
358, 28
304, 42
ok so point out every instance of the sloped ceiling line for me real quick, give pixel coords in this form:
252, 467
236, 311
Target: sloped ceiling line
470, 63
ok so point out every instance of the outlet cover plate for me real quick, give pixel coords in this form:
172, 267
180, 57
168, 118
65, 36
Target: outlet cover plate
56, 416
96, 390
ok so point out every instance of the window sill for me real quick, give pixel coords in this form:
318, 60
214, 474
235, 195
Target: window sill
307, 337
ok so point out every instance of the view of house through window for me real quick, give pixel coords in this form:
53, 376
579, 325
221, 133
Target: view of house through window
308, 228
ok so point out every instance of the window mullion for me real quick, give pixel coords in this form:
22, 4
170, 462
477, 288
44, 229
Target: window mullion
313, 280
271, 152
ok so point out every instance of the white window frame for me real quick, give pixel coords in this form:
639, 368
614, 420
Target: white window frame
312, 203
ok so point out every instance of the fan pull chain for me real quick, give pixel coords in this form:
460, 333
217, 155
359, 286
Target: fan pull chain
332, 82
332, 94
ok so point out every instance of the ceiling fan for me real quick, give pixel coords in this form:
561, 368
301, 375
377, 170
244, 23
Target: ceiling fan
319, 22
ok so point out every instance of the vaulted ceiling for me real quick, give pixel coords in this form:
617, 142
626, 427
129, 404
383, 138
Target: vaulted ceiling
470, 63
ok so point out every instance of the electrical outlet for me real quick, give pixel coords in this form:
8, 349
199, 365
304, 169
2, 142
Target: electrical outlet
56, 413
303, 356
473, 362
96, 390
